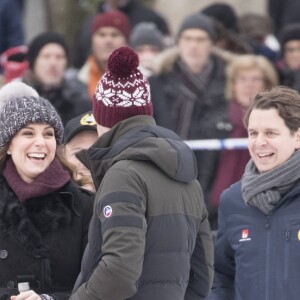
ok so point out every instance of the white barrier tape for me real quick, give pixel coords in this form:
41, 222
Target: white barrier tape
215, 144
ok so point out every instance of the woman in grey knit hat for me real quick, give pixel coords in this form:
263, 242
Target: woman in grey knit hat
44, 216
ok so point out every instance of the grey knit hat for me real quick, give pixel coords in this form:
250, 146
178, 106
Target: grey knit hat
146, 33
21, 105
198, 21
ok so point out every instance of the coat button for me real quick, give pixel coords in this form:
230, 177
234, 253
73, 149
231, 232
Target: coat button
3, 254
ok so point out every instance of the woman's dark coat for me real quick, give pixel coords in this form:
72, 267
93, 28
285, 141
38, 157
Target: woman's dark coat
42, 240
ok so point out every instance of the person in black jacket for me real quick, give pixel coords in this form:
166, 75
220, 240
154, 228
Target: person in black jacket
44, 216
48, 60
188, 92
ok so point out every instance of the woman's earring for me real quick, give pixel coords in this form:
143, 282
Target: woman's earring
8, 152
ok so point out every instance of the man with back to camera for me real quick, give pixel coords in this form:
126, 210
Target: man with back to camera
149, 237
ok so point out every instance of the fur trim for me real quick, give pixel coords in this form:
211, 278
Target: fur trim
26, 223
165, 60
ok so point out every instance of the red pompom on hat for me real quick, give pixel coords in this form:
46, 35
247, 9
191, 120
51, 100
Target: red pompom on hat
122, 91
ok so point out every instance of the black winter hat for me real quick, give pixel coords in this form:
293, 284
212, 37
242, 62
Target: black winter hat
40, 41
223, 13
198, 21
289, 33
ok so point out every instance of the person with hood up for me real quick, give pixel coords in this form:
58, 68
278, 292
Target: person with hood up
149, 237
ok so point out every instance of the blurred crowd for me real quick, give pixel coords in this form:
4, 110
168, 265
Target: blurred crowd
201, 81
201, 77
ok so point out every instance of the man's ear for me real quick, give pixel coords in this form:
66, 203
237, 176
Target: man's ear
297, 135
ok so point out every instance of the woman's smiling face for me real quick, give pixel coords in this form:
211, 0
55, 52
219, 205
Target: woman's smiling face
32, 150
270, 141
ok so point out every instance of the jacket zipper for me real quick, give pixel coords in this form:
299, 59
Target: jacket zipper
267, 226
286, 255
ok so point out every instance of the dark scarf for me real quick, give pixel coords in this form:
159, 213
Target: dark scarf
196, 82
52, 179
264, 190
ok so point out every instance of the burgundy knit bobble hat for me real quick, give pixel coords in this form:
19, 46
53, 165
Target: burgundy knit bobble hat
122, 91
115, 19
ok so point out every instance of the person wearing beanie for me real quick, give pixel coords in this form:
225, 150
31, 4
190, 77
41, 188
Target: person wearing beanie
188, 91
40, 207
257, 30
48, 59
198, 21
135, 10
39, 42
148, 42
288, 64
227, 28
289, 39
80, 133
150, 230
109, 31
224, 13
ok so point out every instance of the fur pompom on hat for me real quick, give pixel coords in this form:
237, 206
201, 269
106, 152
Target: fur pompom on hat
115, 19
123, 91
15, 89
21, 105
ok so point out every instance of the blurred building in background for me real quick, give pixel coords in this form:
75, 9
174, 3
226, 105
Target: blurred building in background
175, 10
65, 16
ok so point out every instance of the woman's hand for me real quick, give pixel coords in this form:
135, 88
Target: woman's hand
28, 295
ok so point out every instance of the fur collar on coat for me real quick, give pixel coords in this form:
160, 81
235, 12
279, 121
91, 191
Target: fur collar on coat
26, 223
